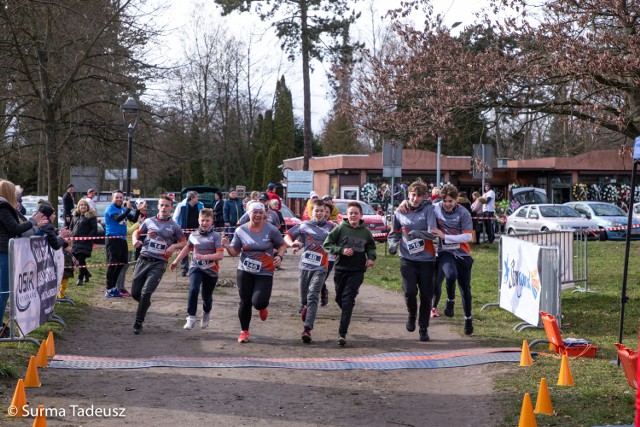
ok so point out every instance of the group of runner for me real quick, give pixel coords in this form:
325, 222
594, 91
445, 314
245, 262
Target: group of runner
417, 224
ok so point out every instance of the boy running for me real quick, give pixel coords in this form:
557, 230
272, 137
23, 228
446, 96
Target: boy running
206, 245
355, 248
162, 237
313, 262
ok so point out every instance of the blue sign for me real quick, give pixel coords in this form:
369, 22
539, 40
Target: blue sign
636, 148
299, 184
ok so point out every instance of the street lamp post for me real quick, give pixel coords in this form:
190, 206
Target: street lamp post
130, 115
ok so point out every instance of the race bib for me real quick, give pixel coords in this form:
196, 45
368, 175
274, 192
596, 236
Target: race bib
451, 246
203, 263
156, 247
312, 258
252, 265
415, 246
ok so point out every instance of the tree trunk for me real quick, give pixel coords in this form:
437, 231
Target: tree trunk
308, 149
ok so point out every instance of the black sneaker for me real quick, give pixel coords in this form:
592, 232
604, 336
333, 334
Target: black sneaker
342, 341
137, 328
468, 326
411, 323
448, 311
424, 335
324, 297
79, 282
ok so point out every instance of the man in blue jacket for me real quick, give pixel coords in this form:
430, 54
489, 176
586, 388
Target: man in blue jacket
186, 215
232, 211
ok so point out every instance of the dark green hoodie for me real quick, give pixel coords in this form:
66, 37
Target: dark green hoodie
357, 238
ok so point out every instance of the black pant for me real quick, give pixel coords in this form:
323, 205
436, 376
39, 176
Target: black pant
417, 276
347, 288
82, 262
488, 225
254, 291
457, 268
117, 253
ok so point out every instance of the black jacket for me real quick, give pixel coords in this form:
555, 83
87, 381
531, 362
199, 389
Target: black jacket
9, 225
218, 214
84, 226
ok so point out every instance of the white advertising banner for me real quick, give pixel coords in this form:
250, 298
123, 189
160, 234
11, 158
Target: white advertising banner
520, 282
37, 273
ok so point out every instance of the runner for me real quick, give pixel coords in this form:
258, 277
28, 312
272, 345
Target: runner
309, 236
355, 248
162, 237
455, 230
255, 242
411, 231
206, 245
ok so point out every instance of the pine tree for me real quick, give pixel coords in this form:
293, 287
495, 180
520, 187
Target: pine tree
283, 122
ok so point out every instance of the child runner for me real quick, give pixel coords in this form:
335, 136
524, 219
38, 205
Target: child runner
313, 262
455, 230
324, 293
163, 236
355, 248
412, 232
206, 245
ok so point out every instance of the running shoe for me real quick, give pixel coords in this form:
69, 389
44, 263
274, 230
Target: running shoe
448, 311
112, 293
424, 335
137, 328
244, 337
124, 292
263, 314
306, 335
468, 326
411, 323
205, 320
303, 313
342, 341
434, 312
191, 320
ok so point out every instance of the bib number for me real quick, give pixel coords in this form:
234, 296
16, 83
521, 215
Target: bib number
203, 263
157, 247
415, 246
312, 258
251, 265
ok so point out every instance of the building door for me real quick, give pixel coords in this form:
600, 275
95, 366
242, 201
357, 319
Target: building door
560, 195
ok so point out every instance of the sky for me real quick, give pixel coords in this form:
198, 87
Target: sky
179, 14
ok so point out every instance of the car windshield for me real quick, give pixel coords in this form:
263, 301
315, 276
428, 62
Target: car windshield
30, 207
366, 209
286, 212
558, 212
605, 209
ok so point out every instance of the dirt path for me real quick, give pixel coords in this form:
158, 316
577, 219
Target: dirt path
256, 396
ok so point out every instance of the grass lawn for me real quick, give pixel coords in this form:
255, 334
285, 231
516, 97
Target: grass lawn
601, 395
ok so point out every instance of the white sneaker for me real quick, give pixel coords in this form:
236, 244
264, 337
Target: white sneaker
205, 320
191, 320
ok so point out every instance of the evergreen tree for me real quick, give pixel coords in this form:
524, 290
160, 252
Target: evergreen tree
283, 123
272, 172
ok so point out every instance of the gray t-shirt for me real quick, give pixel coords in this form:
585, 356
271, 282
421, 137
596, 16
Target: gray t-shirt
205, 245
160, 234
312, 235
257, 248
415, 249
454, 224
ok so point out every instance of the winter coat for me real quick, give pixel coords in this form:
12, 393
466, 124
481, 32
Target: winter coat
84, 226
10, 225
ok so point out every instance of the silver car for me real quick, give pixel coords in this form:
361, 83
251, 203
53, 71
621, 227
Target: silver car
548, 217
611, 220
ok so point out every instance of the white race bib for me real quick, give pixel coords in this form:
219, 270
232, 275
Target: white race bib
312, 258
252, 265
156, 247
203, 263
415, 246
450, 246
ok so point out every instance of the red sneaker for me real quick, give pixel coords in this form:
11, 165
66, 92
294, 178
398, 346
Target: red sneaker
244, 337
263, 314
306, 335
434, 312
124, 292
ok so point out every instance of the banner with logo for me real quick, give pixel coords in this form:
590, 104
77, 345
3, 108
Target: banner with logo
37, 273
520, 282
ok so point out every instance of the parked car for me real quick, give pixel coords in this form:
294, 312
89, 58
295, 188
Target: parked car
30, 203
374, 222
548, 217
522, 196
607, 215
636, 211
289, 218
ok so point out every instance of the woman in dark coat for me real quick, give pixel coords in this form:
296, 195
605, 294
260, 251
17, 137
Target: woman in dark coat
10, 226
218, 215
83, 224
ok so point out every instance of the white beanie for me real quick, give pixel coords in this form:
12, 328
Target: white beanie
313, 194
254, 205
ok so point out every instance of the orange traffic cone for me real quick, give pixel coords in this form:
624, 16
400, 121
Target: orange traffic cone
527, 417
40, 420
32, 379
543, 402
565, 378
41, 357
525, 356
51, 347
18, 401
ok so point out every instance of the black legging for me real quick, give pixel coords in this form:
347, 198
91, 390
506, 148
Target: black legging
417, 277
82, 262
457, 268
254, 291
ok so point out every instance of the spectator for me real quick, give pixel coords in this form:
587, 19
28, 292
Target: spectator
69, 203
218, 214
271, 192
186, 215
91, 194
488, 211
435, 195
476, 214
232, 211
464, 201
328, 201
313, 196
84, 223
